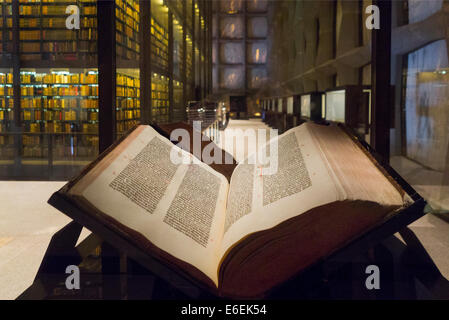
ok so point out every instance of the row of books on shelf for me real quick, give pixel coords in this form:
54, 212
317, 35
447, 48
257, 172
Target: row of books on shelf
85, 22
159, 32
56, 35
70, 90
128, 11
55, 127
63, 152
9, 91
53, 47
158, 59
128, 114
51, 115
159, 42
159, 85
6, 103
32, 10
127, 42
6, 140
6, 115
128, 92
123, 126
159, 111
45, 103
159, 103
128, 103
127, 30
125, 53
7, 23
6, 78
58, 78
52, 127
124, 80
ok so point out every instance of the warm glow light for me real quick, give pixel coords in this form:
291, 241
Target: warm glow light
257, 55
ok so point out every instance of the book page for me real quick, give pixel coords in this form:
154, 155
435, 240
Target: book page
178, 207
303, 181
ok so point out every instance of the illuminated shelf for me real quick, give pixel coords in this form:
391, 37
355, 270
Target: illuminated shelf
6, 115
160, 98
60, 103
127, 29
128, 102
159, 45
43, 34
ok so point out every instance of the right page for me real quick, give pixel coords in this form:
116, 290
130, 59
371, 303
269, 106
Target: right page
302, 181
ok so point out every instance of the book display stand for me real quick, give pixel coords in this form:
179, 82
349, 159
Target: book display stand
124, 271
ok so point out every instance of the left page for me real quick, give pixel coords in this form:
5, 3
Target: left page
178, 206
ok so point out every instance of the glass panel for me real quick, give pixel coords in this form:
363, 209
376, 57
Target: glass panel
232, 28
256, 5
335, 105
257, 27
257, 53
425, 105
258, 77
232, 77
232, 53
419, 10
59, 116
231, 6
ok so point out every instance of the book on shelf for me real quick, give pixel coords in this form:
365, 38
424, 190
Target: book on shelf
244, 237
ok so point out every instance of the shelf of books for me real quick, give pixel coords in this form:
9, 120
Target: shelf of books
127, 29
178, 101
59, 114
178, 49
159, 43
44, 35
6, 116
160, 98
6, 25
189, 65
128, 100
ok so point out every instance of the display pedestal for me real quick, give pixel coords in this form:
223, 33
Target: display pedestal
406, 272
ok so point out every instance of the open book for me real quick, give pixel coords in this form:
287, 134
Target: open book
244, 237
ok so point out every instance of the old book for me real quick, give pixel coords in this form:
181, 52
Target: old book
239, 238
